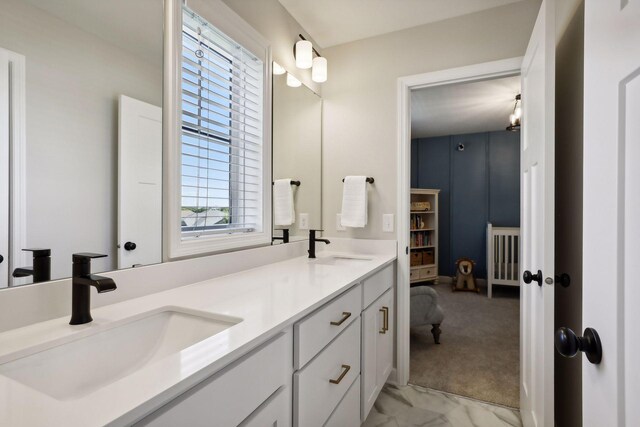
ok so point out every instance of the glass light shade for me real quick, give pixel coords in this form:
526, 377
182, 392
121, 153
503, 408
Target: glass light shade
292, 81
512, 119
518, 112
319, 70
278, 69
304, 54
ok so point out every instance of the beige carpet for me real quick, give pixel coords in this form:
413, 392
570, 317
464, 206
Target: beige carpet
478, 355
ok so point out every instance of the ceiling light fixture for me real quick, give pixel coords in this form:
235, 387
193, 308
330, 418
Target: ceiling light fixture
292, 81
303, 52
515, 116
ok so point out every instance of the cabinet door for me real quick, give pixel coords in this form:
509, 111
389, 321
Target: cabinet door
384, 343
275, 412
377, 348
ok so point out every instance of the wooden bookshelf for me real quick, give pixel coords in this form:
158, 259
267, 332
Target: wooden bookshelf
423, 223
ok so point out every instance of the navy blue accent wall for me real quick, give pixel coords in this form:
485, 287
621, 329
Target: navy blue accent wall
504, 179
469, 199
479, 184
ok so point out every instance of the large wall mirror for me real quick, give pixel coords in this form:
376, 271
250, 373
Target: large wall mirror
81, 134
297, 158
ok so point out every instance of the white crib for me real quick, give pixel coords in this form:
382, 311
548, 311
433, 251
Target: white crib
503, 256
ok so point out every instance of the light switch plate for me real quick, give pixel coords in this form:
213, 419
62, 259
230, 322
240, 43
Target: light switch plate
387, 223
304, 221
339, 226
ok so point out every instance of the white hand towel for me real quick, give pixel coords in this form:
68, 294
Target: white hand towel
283, 208
354, 202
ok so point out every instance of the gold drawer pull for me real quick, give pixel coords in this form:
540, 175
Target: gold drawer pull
385, 320
346, 369
345, 316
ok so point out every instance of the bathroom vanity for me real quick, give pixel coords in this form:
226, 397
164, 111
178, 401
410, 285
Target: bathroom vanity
298, 342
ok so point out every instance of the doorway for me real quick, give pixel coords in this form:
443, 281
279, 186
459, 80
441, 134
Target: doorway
469, 239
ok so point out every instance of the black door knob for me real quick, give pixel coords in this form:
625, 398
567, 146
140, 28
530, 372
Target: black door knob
569, 344
563, 279
1, 259
130, 246
528, 277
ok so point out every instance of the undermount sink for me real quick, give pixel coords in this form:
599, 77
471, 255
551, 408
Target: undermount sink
341, 260
77, 368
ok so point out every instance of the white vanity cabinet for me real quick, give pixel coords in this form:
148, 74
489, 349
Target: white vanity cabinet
377, 340
254, 390
327, 356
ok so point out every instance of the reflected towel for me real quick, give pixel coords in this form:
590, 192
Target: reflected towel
283, 208
354, 202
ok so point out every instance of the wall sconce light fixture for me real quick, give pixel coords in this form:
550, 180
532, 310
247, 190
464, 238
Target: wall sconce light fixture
303, 52
515, 116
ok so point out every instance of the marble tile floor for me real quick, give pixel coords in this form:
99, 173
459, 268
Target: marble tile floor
417, 406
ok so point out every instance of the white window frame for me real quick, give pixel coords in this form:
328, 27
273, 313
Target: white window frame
228, 22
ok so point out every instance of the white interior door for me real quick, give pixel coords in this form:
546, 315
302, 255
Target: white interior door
537, 185
611, 292
139, 183
4, 168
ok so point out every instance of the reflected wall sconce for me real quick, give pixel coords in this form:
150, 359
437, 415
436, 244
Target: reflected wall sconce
515, 116
278, 69
303, 52
292, 81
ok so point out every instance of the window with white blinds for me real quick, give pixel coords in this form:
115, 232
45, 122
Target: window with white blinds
221, 134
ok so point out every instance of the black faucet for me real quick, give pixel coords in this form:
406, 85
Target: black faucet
312, 242
41, 270
81, 281
285, 236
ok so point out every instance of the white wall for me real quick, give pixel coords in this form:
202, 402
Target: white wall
275, 24
73, 82
359, 111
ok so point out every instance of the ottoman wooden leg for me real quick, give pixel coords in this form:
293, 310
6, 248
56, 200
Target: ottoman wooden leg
435, 330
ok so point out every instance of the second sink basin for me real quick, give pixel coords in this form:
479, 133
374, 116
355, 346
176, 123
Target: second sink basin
77, 368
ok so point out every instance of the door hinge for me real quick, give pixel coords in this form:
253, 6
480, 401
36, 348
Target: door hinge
406, 251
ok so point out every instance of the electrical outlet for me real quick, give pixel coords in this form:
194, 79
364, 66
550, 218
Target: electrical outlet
303, 221
339, 226
387, 223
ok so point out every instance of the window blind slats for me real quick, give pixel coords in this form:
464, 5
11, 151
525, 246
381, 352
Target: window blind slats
233, 87
221, 138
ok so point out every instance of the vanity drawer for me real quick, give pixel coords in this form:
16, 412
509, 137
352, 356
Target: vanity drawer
347, 414
376, 285
315, 395
315, 331
230, 396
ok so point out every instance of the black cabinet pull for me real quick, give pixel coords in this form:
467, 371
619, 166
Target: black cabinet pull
569, 344
130, 246
528, 277
1, 259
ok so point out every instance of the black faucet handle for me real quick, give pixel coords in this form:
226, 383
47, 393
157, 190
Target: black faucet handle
86, 257
39, 252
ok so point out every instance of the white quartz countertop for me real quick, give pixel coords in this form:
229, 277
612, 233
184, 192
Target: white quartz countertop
267, 299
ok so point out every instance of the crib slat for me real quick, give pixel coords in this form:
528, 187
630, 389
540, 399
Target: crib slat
512, 261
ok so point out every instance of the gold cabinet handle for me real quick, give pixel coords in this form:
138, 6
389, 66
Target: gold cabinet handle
385, 320
345, 369
345, 316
